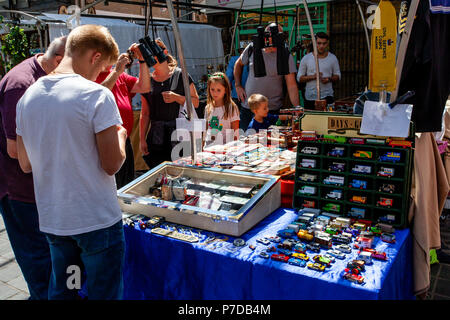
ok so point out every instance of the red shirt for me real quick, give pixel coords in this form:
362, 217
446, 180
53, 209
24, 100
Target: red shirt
122, 93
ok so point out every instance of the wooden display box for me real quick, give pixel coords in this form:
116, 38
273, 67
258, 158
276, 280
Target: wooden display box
354, 167
134, 198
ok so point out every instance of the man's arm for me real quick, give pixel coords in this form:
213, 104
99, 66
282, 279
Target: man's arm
11, 148
292, 89
22, 156
111, 148
336, 72
238, 68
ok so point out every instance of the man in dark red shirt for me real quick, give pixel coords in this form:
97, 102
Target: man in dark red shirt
124, 87
17, 202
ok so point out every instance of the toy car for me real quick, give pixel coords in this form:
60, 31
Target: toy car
361, 169
387, 188
388, 237
385, 202
365, 256
376, 254
155, 222
376, 141
279, 257
286, 244
357, 212
336, 253
310, 150
329, 257
308, 163
322, 260
297, 262
323, 241
308, 190
308, 135
400, 143
390, 156
343, 248
309, 204
300, 247
286, 233
332, 207
353, 277
335, 180
275, 239
386, 172
263, 241
356, 140
359, 184
376, 230
307, 177
301, 256
336, 152
335, 194
337, 166
313, 246
358, 199
356, 266
389, 218
286, 252
264, 255
316, 266
338, 238
363, 154
331, 230
305, 235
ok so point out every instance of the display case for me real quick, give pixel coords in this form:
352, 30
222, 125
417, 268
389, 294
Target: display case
218, 200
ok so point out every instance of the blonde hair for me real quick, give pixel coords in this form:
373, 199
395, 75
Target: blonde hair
90, 36
255, 100
229, 105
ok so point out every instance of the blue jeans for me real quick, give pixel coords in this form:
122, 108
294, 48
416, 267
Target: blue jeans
99, 254
29, 245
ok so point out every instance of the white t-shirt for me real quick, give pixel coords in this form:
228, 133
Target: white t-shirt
219, 129
329, 66
58, 117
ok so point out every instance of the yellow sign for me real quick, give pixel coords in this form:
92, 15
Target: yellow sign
383, 48
341, 123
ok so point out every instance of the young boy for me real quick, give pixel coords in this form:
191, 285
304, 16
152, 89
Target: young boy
262, 119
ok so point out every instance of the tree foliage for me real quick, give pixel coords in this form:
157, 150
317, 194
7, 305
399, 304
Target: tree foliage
14, 45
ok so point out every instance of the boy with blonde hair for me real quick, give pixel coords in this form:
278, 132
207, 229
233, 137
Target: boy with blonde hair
262, 119
69, 135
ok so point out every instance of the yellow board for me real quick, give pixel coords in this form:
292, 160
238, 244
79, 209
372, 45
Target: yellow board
383, 48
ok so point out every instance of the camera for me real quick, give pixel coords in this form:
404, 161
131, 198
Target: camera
151, 52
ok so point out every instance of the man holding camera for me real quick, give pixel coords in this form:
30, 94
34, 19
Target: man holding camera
270, 85
329, 73
124, 87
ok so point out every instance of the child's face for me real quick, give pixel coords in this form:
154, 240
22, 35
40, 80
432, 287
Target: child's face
217, 91
262, 110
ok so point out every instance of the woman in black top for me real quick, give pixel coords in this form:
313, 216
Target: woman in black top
160, 109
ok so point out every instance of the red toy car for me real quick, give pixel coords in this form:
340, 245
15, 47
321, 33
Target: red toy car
354, 277
280, 257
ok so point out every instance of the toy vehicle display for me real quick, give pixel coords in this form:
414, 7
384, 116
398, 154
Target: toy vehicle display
301, 256
337, 166
279, 257
336, 152
357, 212
353, 277
358, 199
313, 246
343, 248
362, 169
309, 204
385, 202
334, 180
335, 194
390, 156
332, 207
308, 190
386, 172
307, 177
400, 143
337, 254
322, 260
297, 262
310, 150
387, 188
363, 154
308, 163
388, 237
316, 266
356, 141
305, 235
359, 184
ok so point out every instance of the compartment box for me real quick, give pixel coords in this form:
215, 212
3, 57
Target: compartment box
135, 198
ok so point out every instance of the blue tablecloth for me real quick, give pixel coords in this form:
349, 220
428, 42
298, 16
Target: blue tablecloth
158, 267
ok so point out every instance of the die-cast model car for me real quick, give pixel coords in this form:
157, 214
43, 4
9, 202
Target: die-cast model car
316, 266
343, 248
337, 254
313, 246
279, 257
353, 277
321, 259
301, 256
297, 262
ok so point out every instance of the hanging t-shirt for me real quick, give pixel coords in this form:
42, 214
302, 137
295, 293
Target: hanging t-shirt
219, 129
58, 118
122, 93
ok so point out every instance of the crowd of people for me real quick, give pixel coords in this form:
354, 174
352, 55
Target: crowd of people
65, 123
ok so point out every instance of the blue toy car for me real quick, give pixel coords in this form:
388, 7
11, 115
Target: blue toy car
297, 262
359, 184
300, 247
284, 251
286, 233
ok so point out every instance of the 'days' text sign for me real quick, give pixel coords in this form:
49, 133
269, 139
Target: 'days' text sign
341, 123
